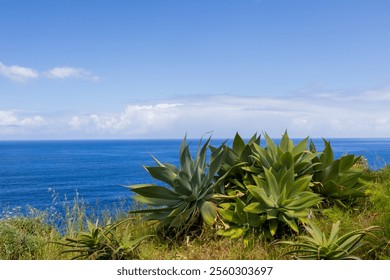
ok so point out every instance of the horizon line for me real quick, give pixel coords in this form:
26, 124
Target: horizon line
167, 139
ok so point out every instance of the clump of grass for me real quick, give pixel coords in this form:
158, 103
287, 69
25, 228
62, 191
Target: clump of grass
379, 193
208, 246
26, 237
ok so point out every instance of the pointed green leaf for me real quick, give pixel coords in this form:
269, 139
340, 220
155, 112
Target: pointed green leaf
154, 191
349, 178
200, 160
255, 208
156, 201
183, 217
334, 232
299, 185
254, 139
301, 147
208, 211
272, 213
271, 147
182, 184
215, 163
304, 201
238, 144
229, 216
346, 162
332, 171
271, 186
186, 163
273, 226
163, 174
159, 216
260, 195
287, 160
312, 147
327, 157
284, 142
290, 222
233, 232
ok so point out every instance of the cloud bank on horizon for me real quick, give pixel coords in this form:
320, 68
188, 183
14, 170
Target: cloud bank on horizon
321, 114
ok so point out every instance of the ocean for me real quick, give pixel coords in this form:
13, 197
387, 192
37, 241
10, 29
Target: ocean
48, 174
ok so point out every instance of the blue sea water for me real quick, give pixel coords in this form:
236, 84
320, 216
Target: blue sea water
45, 174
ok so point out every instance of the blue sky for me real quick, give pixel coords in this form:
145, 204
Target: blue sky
160, 68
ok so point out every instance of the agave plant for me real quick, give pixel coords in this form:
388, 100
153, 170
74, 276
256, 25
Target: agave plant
285, 155
238, 156
338, 180
318, 247
264, 200
236, 222
188, 197
280, 198
103, 243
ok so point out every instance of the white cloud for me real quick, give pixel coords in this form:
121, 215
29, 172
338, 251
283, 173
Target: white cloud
134, 120
363, 114
70, 72
17, 73
11, 118
22, 74
14, 123
318, 116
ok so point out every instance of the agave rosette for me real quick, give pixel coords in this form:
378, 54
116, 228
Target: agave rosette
319, 247
188, 196
281, 198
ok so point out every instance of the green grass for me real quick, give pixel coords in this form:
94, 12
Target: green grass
28, 237
37, 234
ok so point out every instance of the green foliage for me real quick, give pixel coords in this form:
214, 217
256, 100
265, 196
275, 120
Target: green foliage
273, 186
318, 247
239, 162
237, 222
23, 237
248, 188
337, 180
380, 197
103, 243
281, 198
379, 193
190, 198
285, 155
